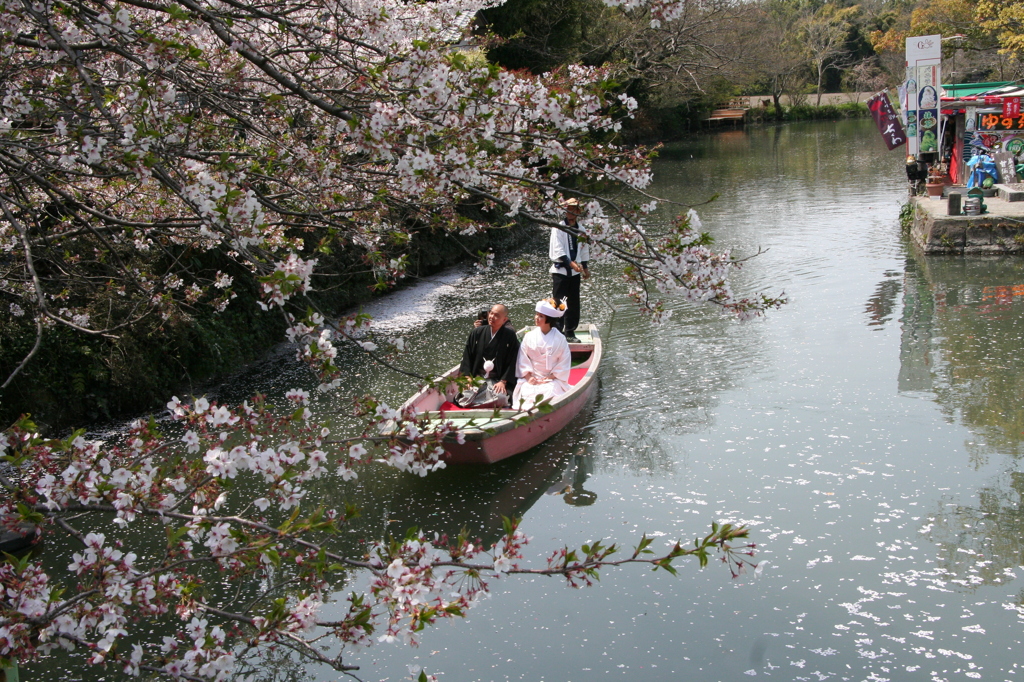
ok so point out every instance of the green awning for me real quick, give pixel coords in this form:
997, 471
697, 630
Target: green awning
968, 89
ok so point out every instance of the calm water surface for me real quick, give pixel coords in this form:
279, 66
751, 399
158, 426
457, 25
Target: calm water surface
869, 434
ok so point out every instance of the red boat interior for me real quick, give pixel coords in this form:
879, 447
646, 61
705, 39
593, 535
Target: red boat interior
580, 367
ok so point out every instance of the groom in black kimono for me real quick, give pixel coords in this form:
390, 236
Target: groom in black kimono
495, 342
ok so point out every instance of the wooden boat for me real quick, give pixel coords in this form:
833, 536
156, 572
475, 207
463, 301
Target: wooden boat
491, 438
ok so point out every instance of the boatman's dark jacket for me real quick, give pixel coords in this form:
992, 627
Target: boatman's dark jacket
502, 349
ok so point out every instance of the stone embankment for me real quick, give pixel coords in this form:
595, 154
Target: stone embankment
997, 231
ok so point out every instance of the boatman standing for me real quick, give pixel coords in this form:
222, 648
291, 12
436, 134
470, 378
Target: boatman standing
491, 352
569, 259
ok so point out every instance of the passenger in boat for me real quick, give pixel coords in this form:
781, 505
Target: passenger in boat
569, 259
544, 358
481, 320
491, 353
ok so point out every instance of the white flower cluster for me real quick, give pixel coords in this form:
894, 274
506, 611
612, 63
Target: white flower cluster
294, 276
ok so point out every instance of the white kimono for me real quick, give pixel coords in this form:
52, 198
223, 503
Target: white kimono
545, 357
559, 246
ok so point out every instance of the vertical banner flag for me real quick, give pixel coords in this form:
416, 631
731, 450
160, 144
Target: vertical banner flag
901, 97
924, 79
887, 120
1011, 107
910, 108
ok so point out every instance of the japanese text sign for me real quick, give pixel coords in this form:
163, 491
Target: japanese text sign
887, 120
996, 121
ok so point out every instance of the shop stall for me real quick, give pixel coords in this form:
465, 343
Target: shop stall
981, 119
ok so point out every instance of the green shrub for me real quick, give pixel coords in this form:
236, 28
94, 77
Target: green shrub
906, 216
809, 112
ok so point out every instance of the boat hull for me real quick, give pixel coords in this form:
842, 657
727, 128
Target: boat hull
520, 439
488, 437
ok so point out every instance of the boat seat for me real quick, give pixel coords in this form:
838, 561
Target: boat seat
575, 376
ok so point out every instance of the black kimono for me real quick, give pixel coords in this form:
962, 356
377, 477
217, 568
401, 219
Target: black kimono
502, 349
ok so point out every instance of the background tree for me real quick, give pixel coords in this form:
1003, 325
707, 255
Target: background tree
774, 62
1001, 22
824, 34
541, 35
1005, 19
971, 44
866, 76
887, 28
659, 61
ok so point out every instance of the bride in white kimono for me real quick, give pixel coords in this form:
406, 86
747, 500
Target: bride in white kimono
544, 359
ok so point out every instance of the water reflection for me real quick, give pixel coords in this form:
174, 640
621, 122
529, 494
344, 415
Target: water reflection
963, 327
983, 544
883, 301
961, 338
470, 498
571, 485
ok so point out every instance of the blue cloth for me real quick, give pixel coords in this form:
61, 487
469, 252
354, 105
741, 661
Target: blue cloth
983, 167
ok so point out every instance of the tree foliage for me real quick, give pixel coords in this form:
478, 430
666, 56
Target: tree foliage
776, 64
824, 35
137, 141
1005, 21
658, 60
975, 46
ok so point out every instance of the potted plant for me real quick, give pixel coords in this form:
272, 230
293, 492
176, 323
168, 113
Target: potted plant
936, 182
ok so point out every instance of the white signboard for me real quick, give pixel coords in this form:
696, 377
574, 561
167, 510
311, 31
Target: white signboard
923, 47
924, 79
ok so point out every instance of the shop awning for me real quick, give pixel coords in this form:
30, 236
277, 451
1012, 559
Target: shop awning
973, 89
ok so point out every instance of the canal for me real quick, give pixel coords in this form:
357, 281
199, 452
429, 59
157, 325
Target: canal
869, 433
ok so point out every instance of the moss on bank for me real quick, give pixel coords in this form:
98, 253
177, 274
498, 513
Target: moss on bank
76, 379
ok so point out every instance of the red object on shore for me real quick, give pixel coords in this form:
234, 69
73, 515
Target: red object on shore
954, 165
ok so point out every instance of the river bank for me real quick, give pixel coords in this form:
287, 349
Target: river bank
998, 231
655, 126
73, 381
